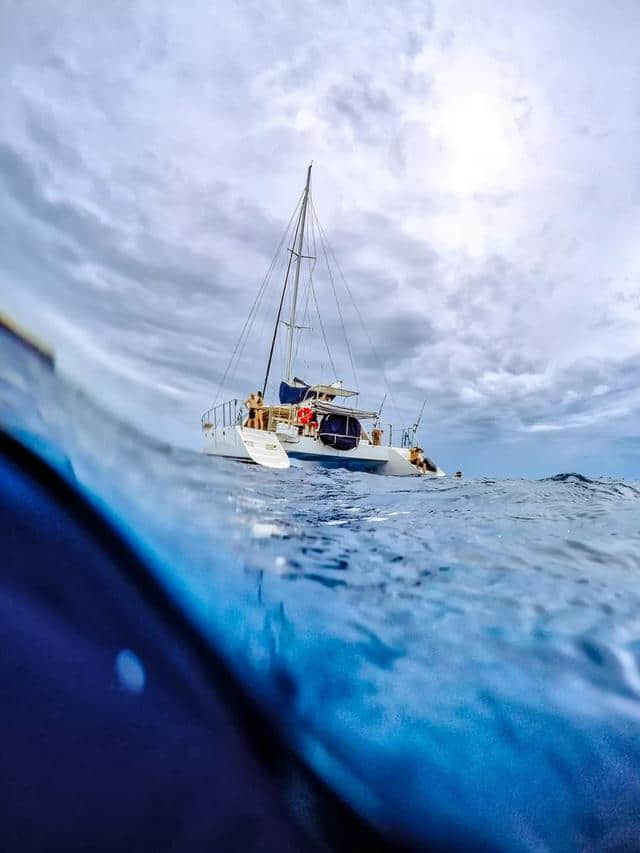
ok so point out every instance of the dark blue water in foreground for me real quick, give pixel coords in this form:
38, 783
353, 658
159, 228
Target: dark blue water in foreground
458, 658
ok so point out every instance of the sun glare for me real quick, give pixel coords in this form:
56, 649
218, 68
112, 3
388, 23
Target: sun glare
478, 132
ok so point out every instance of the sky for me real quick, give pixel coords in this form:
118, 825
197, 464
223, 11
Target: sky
476, 172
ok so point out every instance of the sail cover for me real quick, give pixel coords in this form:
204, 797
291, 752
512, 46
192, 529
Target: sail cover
340, 431
292, 394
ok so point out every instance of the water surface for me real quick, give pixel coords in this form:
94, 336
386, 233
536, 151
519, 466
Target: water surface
461, 659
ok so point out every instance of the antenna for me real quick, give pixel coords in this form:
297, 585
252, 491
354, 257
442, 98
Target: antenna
417, 423
381, 406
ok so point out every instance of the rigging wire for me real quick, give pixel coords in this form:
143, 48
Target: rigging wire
248, 323
311, 262
335, 293
315, 301
247, 336
255, 313
374, 352
305, 317
284, 290
324, 337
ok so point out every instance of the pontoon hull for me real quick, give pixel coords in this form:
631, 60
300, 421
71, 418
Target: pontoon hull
240, 443
246, 445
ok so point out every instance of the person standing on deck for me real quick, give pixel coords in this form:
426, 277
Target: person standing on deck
259, 411
251, 404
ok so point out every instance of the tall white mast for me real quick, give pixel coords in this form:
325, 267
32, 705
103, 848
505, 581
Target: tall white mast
294, 295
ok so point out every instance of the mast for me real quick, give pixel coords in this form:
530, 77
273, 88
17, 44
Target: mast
294, 295
275, 330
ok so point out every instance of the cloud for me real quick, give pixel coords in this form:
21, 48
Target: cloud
473, 172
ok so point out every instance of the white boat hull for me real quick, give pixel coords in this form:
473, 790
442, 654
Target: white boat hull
246, 445
273, 451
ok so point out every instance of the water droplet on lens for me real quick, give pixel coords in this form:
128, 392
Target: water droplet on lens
130, 671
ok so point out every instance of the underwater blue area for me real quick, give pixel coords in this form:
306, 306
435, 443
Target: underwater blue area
459, 659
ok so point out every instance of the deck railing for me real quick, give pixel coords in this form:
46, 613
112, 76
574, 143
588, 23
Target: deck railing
223, 415
233, 413
403, 436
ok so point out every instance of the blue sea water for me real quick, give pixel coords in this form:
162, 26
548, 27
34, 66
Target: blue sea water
459, 659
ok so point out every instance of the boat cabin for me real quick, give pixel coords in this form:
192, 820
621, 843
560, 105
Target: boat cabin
317, 418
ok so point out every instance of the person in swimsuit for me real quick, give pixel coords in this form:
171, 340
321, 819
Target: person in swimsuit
416, 457
259, 411
426, 465
251, 404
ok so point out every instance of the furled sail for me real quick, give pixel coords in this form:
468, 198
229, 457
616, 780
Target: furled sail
324, 407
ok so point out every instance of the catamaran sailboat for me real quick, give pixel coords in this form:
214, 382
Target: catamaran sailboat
310, 422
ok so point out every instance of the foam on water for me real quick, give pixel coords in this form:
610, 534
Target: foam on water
460, 658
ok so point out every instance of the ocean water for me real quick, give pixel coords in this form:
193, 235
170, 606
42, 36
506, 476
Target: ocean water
459, 659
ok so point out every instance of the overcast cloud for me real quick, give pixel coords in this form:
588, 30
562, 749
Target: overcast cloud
476, 169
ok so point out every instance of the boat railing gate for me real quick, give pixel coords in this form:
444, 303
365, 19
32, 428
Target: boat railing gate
223, 415
406, 435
